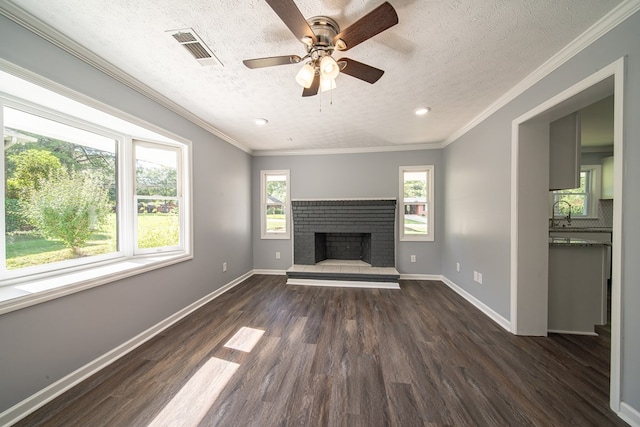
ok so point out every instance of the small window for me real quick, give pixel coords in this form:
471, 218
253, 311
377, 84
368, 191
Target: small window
581, 202
274, 204
416, 203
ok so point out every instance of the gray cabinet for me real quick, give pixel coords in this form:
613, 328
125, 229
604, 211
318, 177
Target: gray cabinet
602, 237
564, 152
577, 288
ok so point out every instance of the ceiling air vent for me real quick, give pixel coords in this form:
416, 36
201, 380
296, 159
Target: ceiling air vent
190, 40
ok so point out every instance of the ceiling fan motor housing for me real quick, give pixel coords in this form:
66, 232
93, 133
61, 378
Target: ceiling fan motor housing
325, 30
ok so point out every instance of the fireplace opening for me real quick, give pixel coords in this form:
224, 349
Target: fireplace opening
343, 246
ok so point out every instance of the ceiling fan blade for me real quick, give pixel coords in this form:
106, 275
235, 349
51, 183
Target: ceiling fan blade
271, 61
313, 89
361, 71
292, 17
374, 22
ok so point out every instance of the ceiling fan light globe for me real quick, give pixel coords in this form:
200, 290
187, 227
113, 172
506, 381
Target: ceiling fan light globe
329, 68
305, 76
327, 84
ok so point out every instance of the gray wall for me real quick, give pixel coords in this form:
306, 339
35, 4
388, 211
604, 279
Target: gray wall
333, 176
45, 342
477, 192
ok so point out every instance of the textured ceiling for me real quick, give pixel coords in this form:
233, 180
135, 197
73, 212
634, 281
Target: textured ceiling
456, 57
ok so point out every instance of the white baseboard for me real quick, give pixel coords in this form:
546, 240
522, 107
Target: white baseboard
344, 283
271, 272
420, 277
629, 414
47, 394
559, 331
506, 324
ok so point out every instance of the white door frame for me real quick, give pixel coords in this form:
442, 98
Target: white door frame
529, 249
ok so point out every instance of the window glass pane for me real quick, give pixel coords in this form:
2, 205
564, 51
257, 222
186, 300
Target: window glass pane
275, 203
416, 219
415, 187
60, 191
276, 189
158, 219
156, 171
574, 203
158, 223
276, 221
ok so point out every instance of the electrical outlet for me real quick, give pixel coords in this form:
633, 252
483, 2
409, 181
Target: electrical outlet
480, 278
224, 267
277, 255
413, 258
457, 266
475, 276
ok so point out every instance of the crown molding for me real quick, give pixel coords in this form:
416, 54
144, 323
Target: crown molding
36, 26
352, 150
612, 19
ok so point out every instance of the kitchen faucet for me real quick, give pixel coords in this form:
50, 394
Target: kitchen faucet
555, 223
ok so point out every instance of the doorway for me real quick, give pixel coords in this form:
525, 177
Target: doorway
529, 209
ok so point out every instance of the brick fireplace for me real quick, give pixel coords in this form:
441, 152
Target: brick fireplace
344, 229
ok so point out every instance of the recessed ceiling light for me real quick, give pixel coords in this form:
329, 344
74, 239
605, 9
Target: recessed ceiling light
261, 122
422, 111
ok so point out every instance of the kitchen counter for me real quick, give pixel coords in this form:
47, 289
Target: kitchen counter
581, 229
574, 241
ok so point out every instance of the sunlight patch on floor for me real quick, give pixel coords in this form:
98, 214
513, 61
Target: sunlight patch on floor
245, 339
189, 406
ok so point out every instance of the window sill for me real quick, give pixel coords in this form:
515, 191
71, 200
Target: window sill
275, 237
417, 239
21, 295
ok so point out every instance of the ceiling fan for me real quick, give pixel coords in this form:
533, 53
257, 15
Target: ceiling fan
321, 36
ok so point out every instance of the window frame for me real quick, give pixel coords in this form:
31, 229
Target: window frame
592, 194
430, 203
264, 234
24, 287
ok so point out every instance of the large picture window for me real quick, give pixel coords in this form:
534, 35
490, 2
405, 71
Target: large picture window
83, 190
416, 203
274, 196
60, 191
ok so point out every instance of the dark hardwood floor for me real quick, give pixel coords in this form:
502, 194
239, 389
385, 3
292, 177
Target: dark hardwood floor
344, 357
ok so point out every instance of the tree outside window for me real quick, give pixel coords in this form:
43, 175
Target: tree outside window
60, 191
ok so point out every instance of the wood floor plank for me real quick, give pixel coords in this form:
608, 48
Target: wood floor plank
420, 355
